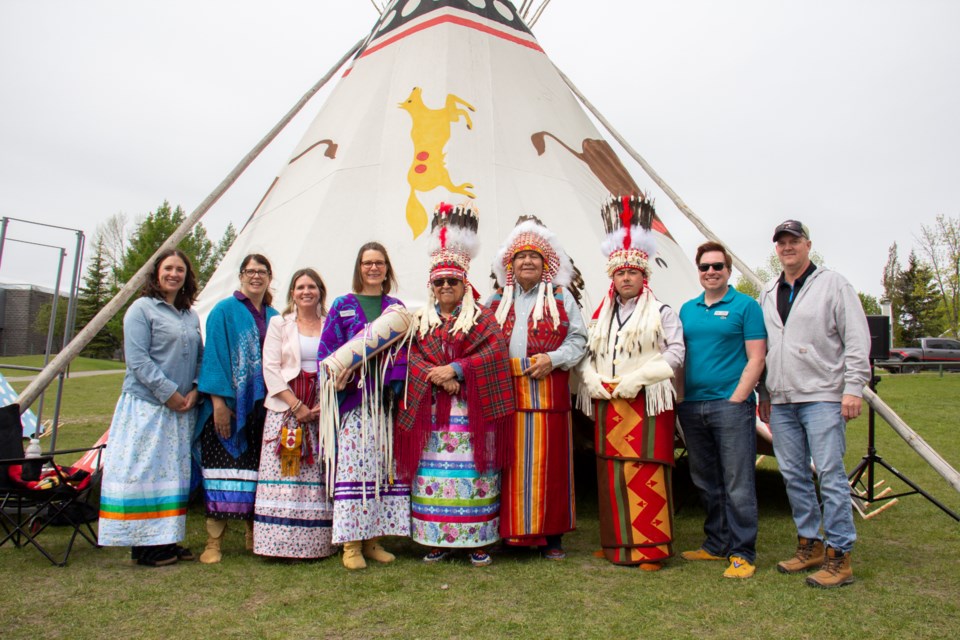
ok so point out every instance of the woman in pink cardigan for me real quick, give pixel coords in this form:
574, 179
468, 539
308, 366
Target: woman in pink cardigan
292, 514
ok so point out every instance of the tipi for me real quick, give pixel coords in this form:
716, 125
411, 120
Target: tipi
447, 100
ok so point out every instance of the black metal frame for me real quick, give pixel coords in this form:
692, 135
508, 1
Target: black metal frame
26, 512
869, 461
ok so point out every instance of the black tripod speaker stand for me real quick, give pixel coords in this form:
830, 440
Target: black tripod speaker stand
869, 461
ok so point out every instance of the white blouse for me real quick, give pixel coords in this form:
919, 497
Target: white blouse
308, 352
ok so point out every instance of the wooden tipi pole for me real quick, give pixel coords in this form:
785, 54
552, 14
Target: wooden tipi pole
135, 283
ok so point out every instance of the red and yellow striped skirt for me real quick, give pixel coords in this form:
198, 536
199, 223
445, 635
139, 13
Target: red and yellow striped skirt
537, 497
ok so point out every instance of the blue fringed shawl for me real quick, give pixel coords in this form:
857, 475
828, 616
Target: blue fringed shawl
232, 368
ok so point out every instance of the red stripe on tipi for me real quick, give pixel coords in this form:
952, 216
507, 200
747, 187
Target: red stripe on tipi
463, 22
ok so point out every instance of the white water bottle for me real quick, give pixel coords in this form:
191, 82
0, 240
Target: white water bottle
31, 469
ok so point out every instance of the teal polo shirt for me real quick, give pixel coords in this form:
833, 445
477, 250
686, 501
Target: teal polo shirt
715, 336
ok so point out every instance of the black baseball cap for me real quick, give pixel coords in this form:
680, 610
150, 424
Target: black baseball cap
794, 227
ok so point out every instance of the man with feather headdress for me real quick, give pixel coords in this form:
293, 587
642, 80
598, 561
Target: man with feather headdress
634, 348
536, 304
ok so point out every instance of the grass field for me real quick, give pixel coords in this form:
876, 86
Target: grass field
78, 364
907, 564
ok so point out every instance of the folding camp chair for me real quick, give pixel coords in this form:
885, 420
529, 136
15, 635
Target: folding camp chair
62, 495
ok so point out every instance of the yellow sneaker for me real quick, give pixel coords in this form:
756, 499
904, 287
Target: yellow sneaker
739, 568
700, 554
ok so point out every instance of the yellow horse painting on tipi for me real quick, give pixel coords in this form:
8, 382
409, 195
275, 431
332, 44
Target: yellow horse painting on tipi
430, 133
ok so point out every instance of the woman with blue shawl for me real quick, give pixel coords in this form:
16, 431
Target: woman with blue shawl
366, 504
230, 424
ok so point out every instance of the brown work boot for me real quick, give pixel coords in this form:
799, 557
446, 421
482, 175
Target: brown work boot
809, 556
835, 572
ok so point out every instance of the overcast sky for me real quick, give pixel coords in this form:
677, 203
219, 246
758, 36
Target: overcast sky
844, 114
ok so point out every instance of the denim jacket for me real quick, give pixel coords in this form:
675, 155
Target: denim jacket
162, 348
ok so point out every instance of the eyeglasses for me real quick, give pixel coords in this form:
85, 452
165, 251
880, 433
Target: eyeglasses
716, 266
250, 273
450, 282
370, 264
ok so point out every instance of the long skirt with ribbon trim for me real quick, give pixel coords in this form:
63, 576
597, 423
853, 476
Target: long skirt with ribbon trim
146, 477
230, 484
293, 516
366, 505
454, 505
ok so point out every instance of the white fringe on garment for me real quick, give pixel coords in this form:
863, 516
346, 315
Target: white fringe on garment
426, 318
584, 400
329, 422
379, 426
506, 301
659, 396
638, 341
545, 297
642, 330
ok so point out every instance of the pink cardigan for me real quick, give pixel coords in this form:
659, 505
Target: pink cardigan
281, 359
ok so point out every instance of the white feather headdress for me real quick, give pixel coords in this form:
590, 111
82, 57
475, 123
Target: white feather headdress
453, 244
531, 234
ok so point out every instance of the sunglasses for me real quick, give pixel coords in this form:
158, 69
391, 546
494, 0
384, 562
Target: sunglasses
794, 227
450, 282
716, 266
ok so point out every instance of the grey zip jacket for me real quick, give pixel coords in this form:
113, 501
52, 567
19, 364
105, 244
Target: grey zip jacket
823, 351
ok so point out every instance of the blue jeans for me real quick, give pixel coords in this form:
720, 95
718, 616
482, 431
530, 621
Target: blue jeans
816, 430
722, 447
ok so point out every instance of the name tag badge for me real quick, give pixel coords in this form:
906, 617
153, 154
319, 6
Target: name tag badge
721, 313
348, 313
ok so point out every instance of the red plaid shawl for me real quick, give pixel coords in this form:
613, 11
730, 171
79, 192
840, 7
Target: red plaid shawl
487, 388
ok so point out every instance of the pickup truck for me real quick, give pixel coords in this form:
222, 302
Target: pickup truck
945, 350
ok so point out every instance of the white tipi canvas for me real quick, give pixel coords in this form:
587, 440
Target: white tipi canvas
448, 100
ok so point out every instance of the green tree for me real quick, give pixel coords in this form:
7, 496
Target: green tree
226, 241
767, 272
919, 315
147, 236
940, 244
96, 291
201, 252
870, 304
153, 230
891, 291
41, 322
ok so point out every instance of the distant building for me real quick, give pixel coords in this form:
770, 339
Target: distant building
19, 306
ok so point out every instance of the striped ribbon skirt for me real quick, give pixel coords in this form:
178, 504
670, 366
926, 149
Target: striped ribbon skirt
146, 478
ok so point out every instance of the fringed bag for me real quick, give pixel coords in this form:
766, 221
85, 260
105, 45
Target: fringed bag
293, 446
